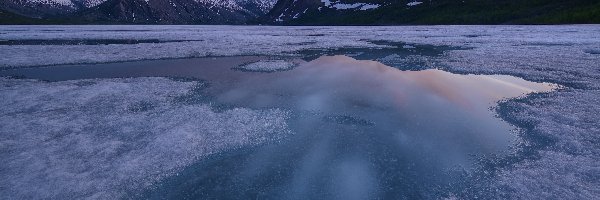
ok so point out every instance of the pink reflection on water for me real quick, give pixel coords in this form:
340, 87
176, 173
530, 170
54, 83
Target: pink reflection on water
343, 75
431, 112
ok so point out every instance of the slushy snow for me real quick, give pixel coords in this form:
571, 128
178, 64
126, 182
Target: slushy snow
100, 139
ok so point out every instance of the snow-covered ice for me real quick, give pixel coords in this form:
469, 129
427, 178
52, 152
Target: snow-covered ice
103, 139
268, 66
559, 146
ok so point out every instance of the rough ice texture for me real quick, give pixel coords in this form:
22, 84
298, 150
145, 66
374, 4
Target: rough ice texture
101, 139
266, 40
569, 166
267, 66
566, 167
208, 41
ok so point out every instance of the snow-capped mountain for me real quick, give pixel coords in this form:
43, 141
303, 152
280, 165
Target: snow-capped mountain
46, 8
176, 11
286, 10
68, 3
298, 12
142, 11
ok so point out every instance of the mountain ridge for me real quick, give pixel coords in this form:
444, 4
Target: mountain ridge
135, 11
299, 12
410, 12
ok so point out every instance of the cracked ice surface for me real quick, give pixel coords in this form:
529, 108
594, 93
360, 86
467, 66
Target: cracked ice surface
101, 139
565, 167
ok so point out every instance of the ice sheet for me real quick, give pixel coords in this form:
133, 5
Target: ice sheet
103, 139
558, 54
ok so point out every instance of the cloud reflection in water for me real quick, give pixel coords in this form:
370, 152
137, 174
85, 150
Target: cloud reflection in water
364, 130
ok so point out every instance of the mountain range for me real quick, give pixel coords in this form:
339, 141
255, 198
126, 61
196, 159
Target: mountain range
299, 12
134, 11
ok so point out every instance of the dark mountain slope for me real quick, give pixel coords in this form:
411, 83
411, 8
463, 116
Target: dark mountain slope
299, 12
34, 9
163, 12
134, 11
437, 12
12, 18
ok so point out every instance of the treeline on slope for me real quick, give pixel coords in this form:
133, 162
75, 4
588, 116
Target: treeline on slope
443, 12
9, 18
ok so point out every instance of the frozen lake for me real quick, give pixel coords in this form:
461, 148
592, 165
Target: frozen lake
236, 112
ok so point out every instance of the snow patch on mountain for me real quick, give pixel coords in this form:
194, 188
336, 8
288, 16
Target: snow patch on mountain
91, 3
53, 2
230, 4
238, 5
263, 5
414, 3
343, 6
69, 3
